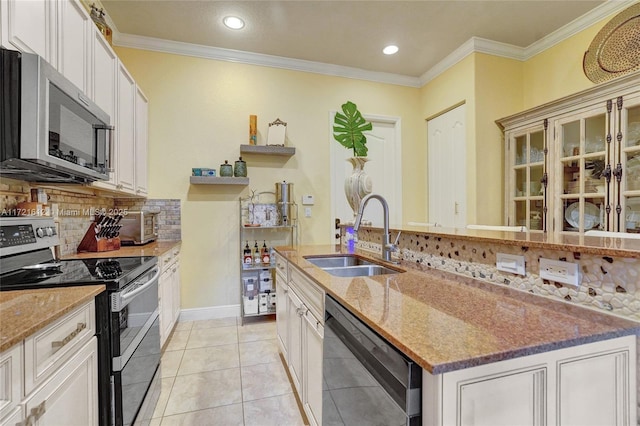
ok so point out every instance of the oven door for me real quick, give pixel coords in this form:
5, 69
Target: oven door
135, 332
132, 383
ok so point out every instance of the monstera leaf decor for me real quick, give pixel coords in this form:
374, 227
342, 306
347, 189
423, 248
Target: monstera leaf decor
348, 128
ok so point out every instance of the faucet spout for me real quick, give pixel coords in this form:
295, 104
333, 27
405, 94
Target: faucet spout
387, 247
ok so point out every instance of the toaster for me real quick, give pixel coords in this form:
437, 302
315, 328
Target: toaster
139, 227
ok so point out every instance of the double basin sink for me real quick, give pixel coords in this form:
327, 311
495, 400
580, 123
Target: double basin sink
349, 266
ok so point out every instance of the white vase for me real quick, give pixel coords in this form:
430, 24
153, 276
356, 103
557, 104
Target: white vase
358, 185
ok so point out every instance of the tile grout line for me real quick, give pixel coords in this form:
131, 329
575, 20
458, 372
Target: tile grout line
173, 382
240, 365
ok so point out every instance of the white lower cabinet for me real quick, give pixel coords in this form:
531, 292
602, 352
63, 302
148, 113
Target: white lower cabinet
70, 397
51, 378
591, 384
294, 320
313, 336
282, 307
300, 332
596, 389
169, 293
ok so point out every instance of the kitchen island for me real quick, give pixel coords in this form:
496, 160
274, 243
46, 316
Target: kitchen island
455, 326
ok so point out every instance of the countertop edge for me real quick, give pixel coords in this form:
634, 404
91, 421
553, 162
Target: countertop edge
26, 329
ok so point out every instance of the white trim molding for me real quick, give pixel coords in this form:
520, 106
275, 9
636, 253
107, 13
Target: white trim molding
249, 58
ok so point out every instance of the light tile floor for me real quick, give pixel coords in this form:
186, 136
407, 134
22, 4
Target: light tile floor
218, 372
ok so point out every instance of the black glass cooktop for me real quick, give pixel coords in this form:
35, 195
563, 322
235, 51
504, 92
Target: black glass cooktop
113, 272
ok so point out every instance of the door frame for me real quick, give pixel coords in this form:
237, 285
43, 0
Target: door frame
396, 162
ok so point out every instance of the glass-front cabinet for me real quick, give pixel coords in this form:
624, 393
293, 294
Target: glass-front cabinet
573, 165
526, 190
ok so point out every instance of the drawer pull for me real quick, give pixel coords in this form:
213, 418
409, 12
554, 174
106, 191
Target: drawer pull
39, 410
56, 345
36, 413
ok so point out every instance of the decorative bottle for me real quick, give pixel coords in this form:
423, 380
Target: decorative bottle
266, 258
246, 258
256, 254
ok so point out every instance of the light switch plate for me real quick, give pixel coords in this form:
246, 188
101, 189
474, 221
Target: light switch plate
510, 263
559, 271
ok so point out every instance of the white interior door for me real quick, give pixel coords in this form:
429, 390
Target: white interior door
447, 168
383, 143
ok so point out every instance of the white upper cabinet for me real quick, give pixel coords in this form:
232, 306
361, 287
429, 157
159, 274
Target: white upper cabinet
125, 130
29, 26
74, 43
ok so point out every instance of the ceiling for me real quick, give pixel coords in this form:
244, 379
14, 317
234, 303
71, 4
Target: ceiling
348, 33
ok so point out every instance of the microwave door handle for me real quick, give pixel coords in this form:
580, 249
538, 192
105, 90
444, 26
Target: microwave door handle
110, 130
140, 289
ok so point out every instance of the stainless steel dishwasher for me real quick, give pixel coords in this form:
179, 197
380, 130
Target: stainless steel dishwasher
367, 381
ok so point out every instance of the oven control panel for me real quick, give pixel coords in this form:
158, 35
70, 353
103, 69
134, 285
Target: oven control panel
22, 234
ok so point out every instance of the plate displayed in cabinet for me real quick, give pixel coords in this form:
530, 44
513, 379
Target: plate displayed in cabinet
591, 215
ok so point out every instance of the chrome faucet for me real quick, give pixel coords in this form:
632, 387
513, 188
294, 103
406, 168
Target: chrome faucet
387, 247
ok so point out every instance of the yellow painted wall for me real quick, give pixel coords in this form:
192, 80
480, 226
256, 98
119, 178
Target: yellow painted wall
199, 115
498, 90
557, 71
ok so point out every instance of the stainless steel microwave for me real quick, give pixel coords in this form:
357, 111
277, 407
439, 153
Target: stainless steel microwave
49, 130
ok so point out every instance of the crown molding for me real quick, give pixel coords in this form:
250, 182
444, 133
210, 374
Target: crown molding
249, 58
595, 15
481, 45
473, 45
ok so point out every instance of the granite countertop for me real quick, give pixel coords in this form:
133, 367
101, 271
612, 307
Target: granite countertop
156, 248
24, 312
446, 322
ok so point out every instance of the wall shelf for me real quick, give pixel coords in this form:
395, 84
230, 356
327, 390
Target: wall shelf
218, 180
285, 151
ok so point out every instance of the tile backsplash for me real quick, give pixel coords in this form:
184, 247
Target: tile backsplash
75, 208
169, 218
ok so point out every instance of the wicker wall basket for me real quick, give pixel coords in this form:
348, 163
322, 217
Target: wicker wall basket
615, 50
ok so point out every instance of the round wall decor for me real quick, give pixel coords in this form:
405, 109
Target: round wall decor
615, 50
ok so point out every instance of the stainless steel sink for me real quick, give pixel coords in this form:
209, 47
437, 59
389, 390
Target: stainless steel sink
349, 266
360, 271
337, 261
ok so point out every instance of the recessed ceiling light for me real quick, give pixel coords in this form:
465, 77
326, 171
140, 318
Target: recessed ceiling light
233, 22
390, 50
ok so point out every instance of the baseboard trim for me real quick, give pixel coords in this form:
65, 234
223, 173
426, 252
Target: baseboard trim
212, 312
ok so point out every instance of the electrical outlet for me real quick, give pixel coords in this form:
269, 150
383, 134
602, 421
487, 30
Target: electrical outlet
559, 271
510, 263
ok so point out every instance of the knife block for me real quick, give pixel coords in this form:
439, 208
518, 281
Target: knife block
92, 243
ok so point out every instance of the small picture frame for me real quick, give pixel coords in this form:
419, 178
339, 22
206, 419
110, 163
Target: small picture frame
277, 132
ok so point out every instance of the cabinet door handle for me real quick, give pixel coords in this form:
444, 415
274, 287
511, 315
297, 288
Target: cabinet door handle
56, 345
36, 413
285, 291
